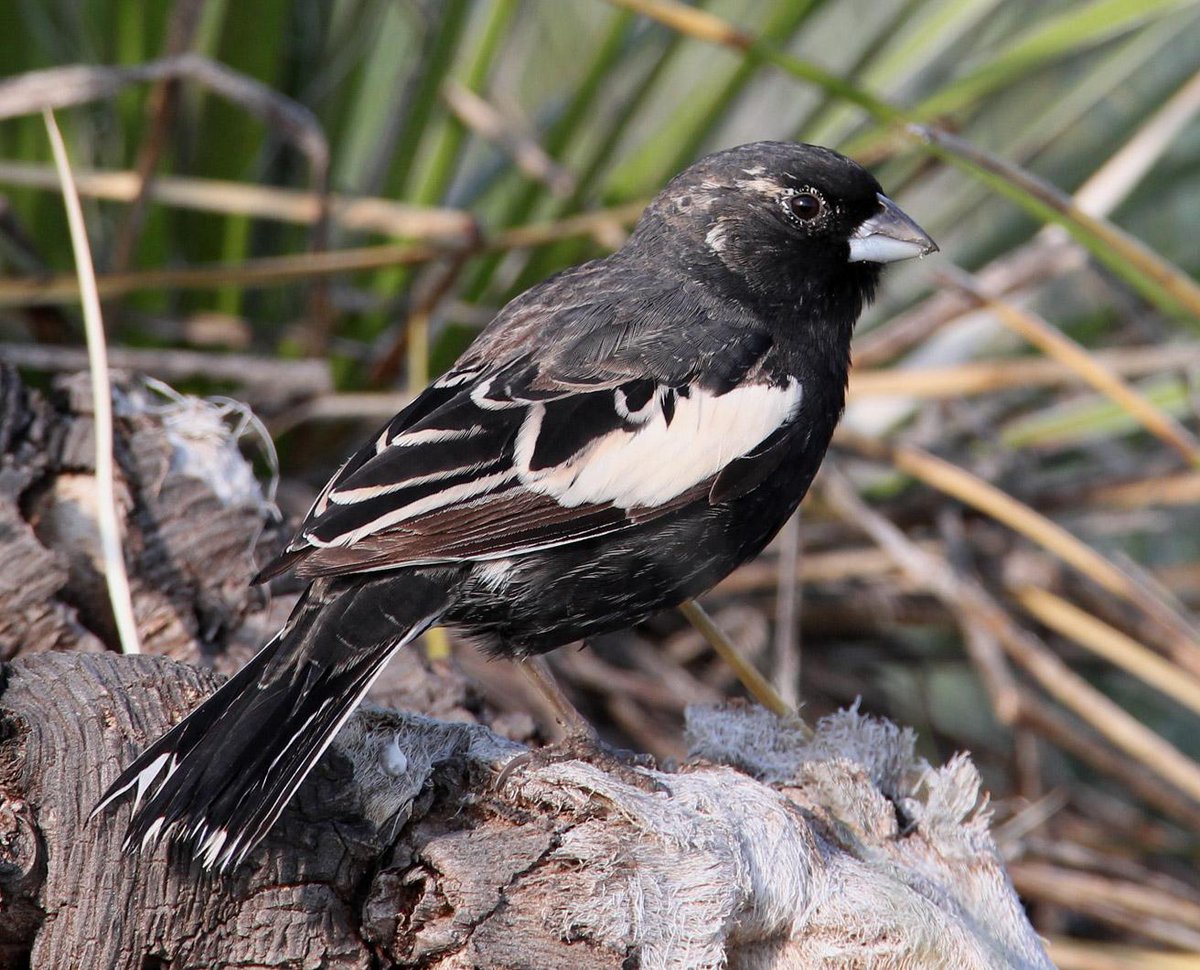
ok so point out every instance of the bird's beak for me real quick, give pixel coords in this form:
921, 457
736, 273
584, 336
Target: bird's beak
889, 236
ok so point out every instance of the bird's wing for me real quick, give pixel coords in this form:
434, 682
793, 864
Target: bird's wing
600, 420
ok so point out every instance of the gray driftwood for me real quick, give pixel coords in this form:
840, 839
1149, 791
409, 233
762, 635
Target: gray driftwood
766, 851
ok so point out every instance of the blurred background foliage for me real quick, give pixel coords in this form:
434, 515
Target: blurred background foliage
1025, 424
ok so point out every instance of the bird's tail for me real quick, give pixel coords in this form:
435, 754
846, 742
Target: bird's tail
221, 777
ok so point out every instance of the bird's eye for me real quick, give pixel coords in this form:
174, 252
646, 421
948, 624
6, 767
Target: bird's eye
806, 206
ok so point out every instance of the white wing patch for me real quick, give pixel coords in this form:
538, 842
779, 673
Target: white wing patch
646, 463
657, 461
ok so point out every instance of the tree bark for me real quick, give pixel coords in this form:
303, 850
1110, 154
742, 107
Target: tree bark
408, 846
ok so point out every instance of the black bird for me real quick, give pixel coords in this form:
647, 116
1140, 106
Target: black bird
617, 440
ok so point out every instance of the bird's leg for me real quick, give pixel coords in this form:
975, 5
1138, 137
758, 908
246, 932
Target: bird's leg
538, 672
581, 742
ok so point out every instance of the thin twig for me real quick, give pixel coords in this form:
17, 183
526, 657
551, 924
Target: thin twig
106, 500
160, 113
1180, 632
413, 337
275, 270
758, 686
965, 597
1110, 643
983, 647
1066, 351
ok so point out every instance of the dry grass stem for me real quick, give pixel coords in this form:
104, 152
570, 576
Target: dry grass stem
1050, 254
399, 220
1111, 184
1071, 954
758, 686
488, 122
296, 378
160, 112
987, 376
1121, 250
276, 270
1002, 688
968, 598
1036, 262
1180, 489
1152, 912
62, 87
1110, 643
973, 491
697, 24
1069, 735
1070, 354
108, 516
412, 340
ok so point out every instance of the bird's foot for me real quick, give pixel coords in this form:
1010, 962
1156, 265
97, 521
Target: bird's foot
584, 746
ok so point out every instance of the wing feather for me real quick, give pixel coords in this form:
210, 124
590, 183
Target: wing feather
531, 443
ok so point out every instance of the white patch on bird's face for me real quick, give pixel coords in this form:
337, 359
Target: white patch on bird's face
762, 186
652, 464
715, 237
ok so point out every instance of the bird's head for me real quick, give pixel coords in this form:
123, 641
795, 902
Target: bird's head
787, 220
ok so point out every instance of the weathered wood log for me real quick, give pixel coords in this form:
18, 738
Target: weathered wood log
194, 519
401, 850
407, 847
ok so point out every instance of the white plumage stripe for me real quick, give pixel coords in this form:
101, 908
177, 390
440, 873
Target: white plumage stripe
657, 461
432, 436
349, 496
447, 497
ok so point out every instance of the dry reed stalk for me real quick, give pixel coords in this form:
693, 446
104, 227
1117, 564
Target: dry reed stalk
968, 598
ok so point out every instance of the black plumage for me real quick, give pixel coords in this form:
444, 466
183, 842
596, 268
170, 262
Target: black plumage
617, 440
